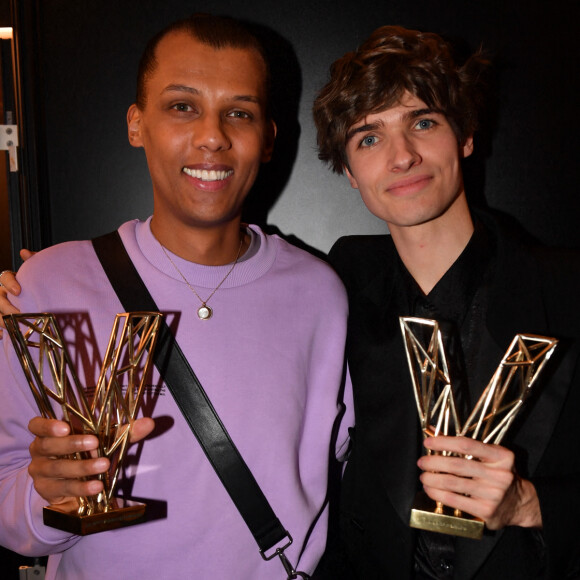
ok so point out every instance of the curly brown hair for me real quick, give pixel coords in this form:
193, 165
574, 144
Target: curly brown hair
395, 60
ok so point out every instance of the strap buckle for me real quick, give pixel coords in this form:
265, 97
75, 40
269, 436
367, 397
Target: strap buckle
291, 572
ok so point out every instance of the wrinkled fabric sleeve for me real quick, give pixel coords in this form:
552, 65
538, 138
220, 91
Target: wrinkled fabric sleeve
21, 527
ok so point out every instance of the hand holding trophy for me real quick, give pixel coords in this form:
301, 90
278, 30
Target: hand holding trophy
490, 418
108, 414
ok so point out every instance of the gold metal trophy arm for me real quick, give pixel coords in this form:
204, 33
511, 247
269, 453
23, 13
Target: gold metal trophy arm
50, 373
127, 357
509, 387
42, 352
430, 377
431, 380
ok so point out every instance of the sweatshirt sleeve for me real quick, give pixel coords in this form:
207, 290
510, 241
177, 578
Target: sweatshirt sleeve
21, 526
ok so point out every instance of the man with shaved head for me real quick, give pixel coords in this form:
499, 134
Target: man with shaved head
262, 324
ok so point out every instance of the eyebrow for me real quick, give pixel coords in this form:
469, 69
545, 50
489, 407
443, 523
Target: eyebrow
374, 126
194, 91
362, 129
420, 112
180, 89
247, 98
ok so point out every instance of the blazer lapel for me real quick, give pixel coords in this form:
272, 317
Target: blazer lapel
387, 419
401, 443
516, 306
528, 438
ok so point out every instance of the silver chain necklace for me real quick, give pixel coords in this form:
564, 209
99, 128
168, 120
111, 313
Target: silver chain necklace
205, 312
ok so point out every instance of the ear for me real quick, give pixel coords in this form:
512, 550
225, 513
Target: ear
352, 180
269, 139
468, 147
134, 126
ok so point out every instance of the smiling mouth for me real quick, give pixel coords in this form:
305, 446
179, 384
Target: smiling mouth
208, 175
409, 185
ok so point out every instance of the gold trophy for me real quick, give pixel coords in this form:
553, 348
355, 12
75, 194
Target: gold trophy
490, 419
108, 414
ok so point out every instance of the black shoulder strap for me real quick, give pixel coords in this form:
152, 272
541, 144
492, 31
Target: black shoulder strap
192, 400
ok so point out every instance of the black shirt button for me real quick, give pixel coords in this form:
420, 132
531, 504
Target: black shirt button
445, 564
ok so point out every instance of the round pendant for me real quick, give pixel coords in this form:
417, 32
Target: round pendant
204, 312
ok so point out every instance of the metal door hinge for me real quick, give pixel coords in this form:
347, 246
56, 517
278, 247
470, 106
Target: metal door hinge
9, 142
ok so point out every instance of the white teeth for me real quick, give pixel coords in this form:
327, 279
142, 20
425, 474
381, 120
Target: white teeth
206, 175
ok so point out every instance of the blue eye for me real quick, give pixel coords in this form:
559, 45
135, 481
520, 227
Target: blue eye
425, 124
368, 141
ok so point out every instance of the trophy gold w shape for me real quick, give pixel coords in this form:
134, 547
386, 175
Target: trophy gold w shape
490, 419
107, 414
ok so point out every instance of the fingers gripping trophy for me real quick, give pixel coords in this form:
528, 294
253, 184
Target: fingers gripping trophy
490, 419
108, 414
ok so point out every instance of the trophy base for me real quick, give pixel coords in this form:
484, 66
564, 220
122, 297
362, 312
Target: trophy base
423, 517
127, 513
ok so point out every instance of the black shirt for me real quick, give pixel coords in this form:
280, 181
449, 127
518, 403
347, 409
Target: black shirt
458, 302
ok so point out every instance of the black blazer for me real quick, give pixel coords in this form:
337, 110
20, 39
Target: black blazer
534, 290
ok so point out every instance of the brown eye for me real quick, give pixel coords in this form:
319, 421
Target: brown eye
182, 107
240, 115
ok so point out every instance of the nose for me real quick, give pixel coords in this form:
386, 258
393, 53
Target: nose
403, 153
209, 133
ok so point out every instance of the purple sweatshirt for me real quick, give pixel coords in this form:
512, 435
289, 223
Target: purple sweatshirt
270, 360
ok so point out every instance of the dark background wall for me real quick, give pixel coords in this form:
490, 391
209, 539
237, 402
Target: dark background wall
88, 54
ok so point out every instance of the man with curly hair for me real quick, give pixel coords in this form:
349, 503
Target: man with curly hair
398, 116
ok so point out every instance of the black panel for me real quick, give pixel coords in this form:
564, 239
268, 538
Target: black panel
527, 167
